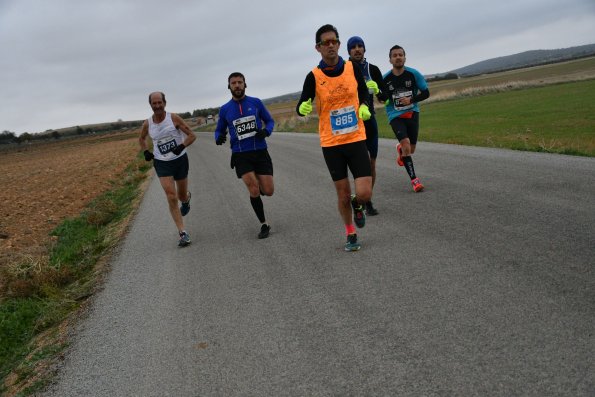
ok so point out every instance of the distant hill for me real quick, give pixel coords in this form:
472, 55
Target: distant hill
294, 96
509, 62
526, 59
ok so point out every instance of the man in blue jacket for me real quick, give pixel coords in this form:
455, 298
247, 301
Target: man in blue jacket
249, 123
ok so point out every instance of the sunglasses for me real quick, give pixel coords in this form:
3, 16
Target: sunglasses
326, 43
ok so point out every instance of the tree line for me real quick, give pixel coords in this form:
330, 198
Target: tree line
8, 137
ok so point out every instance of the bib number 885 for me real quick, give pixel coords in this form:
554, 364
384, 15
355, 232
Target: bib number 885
346, 119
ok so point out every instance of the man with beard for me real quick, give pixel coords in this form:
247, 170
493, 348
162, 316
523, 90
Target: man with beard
356, 49
169, 157
249, 123
341, 94
406, 87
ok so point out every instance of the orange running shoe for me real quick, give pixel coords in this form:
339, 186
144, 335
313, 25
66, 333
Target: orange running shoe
417, 186
399, 154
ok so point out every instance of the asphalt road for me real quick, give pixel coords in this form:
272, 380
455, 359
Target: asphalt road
483, 284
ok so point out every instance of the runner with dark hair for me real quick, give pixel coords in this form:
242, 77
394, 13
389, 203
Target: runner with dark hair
341, 94
406, 87
356, 49
249, 123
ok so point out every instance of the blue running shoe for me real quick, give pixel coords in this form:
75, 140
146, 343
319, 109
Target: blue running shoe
185, 208
184, 239
352, 244
359, 215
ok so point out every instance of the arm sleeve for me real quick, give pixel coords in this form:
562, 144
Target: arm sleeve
362, 88
377, 77
221, 128
386, 80
308, 91
422, 95
267, 118
423, 88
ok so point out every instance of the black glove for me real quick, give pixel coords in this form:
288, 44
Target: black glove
261, 134
221, 140
148, 155
178, 149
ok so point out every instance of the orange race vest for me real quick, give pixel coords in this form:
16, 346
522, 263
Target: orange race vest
337, 104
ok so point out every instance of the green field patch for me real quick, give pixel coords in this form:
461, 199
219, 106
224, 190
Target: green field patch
556, 118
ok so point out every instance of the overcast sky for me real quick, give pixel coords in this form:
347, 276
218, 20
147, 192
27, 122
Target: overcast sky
75, 62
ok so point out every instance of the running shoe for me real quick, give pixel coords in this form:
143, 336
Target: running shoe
399, 156
359, 215
264, 231
417, 186
370, 210
352, 244
184, 239
185, 208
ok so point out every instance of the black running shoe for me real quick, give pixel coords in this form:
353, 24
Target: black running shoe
352, 244
185, 208
184, 239
370, 210
359, 215
264, 231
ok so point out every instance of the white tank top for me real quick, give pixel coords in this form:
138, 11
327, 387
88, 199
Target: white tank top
165, 137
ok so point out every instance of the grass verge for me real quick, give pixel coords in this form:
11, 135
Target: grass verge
556, 118
39, 293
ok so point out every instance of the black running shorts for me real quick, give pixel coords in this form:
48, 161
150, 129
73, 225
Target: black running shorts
351, 155
177, 168
406, 128
258, 161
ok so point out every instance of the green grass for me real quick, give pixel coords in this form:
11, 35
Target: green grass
557, 118
17, 327
39, 295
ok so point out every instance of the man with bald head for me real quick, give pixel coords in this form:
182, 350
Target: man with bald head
170, 136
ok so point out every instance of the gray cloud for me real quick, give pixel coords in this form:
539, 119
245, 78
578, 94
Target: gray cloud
69, 62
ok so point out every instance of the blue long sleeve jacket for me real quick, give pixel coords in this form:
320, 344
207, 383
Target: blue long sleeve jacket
243, 119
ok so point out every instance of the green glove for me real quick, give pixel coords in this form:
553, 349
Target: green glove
306, 107
373, 86
387, 102
364, 112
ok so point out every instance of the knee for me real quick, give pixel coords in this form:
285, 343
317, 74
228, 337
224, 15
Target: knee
171, 196
254, 190
365, 195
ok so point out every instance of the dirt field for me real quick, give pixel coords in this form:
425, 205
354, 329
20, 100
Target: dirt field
43, 183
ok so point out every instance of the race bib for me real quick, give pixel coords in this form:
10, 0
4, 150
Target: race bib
344, 120
245, 127
397, 100
166, 145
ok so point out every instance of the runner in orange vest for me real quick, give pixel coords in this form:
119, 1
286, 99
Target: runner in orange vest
341, 94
